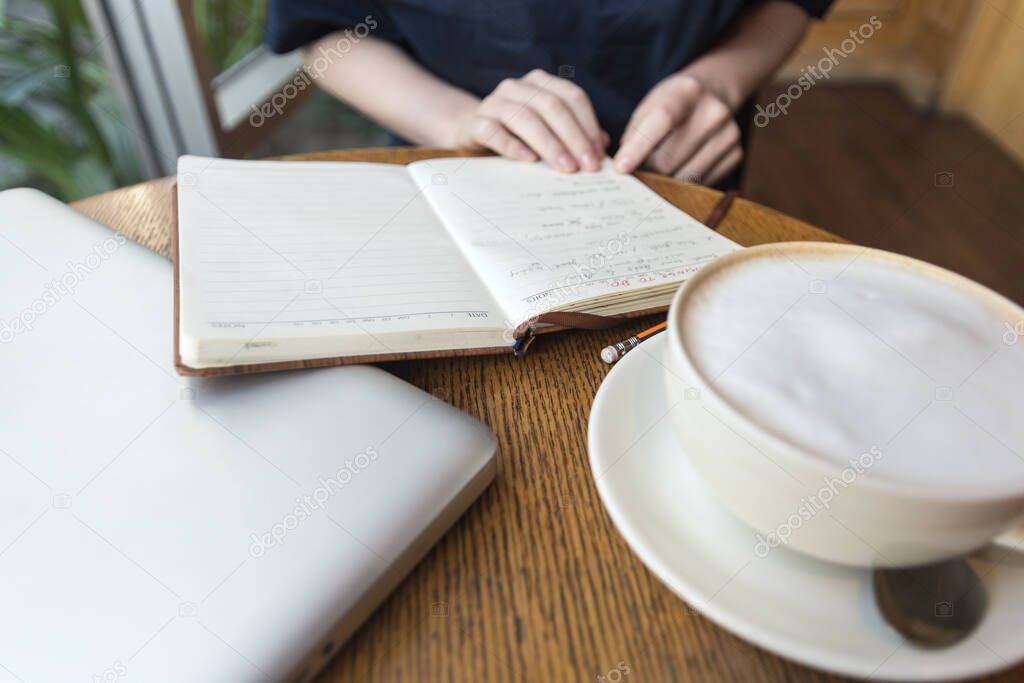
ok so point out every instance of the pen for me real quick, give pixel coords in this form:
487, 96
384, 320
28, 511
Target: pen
610, 354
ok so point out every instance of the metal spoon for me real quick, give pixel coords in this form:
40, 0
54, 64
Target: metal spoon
933, 605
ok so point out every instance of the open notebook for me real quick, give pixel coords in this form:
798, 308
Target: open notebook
281, 263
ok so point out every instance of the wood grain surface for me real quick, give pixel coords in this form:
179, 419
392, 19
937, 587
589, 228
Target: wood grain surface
533, 583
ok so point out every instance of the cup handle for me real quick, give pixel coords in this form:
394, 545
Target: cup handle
1012, 538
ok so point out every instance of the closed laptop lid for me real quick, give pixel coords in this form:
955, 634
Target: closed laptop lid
164, 529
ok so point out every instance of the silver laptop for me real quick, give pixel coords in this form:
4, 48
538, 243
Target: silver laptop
154, 528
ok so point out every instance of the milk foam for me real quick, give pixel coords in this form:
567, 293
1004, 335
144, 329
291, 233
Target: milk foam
842, 357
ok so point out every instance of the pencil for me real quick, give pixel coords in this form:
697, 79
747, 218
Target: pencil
610, 354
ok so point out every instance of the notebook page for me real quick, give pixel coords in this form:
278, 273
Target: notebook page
274, 250
543, 240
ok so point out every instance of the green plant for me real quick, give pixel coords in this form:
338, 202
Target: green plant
229, 29
61, 130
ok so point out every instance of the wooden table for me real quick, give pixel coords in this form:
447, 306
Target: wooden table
533, 583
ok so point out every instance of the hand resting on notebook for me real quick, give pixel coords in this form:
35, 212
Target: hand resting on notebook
538, 115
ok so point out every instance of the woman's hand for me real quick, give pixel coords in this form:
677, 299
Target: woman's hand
683, 130
536, 116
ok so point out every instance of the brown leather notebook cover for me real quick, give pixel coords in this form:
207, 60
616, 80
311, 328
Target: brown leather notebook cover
542, 324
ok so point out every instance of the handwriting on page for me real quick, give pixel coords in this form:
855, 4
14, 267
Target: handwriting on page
543, 240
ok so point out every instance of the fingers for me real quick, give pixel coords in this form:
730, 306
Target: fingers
724, 167
681, 129
542, 113
639, 141
708, 118
527, 125
662, 110
490, 133
560, 119
724, 142
579, 104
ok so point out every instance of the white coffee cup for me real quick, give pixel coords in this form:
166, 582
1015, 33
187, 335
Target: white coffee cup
772, 384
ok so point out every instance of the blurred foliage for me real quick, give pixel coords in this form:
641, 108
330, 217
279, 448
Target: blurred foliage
62, 127
229, 29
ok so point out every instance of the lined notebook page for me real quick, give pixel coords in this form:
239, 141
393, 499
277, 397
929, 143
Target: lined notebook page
543, 240
275, 250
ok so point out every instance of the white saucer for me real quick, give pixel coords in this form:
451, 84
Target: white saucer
818, 614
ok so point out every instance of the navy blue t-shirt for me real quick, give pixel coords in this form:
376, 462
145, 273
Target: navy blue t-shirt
616, 50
